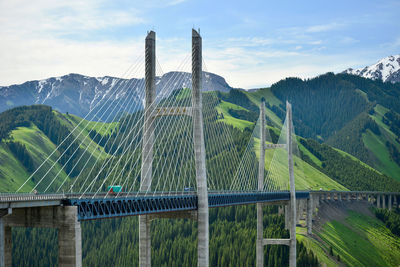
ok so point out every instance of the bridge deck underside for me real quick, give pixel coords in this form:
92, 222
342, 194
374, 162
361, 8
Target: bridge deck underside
89, 209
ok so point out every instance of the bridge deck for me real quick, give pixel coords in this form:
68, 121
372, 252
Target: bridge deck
130, 204
99, 208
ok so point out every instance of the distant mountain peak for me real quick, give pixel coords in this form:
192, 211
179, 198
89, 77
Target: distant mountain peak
387, 69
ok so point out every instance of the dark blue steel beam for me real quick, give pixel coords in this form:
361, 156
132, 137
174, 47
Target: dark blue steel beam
100, 208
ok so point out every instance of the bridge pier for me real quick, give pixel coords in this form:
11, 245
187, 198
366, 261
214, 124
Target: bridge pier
299, 211
287, 217
395, 201
64, 218
390, 202
383, 201
5, 244
378, 201
309, 214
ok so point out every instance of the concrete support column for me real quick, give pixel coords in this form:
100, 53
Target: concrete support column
299, 211
261, 169
390, 202
292, 252
395, 201
316, 201
5, 244
378, 201
144, 241
309, 215
70, 245
339, 197
287, 217
200, 153
383, 201
147, 146
348, 196
259, 241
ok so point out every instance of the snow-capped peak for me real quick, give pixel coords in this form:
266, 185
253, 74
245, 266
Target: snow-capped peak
386, 69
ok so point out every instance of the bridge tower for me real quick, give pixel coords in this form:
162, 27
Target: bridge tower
200, 154
148, 143
199, 149
290, 212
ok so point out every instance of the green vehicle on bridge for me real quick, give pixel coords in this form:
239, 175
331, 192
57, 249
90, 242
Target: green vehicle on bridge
115, 189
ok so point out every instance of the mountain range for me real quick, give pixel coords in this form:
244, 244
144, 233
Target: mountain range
79, 94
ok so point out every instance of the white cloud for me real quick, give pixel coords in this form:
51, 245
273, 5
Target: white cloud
53, 57
175, 2
324, 27
33, 45
47, 17
348, 40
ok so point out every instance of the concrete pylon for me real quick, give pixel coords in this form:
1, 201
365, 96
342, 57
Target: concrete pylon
309, 214
5, 244
378, 201
292, 230
147, 146
63, 218
383, 201
287, 217
390, 202
70, 239
261, 169
299, 211
199, 151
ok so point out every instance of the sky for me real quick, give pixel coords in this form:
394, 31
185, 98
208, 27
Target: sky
251, 44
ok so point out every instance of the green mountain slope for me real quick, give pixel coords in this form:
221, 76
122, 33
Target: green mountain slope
354, 233
12, 172
40, 131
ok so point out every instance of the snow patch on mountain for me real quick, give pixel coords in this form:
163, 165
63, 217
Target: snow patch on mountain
386, 69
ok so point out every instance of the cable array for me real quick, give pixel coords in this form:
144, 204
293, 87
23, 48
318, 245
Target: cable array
105, 147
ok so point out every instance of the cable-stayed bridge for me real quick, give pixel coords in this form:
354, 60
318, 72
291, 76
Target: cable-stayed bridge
164, 151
